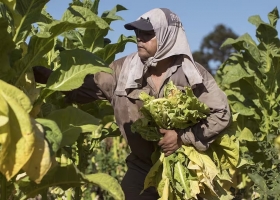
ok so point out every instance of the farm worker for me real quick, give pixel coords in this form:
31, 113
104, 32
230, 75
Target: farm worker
163, 55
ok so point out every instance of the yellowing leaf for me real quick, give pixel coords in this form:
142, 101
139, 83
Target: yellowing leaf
195, 190
227, 151
246, 135
203, 161
17, 136
180, 177
106, 182
17, 95
28, 85
76, 122
40, 161
156, 169
4, 113
192, 165
165, 192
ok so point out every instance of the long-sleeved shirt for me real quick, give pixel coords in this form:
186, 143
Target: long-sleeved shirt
126, 108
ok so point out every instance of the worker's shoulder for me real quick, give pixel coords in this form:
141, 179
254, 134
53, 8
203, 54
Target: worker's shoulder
203, 71
117, 64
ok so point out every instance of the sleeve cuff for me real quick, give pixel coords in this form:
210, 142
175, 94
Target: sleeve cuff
188, 138
184, 136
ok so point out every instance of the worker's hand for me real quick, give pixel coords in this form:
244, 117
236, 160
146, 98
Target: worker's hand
170, 142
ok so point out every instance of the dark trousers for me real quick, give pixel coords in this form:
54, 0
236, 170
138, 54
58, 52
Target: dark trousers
133, 182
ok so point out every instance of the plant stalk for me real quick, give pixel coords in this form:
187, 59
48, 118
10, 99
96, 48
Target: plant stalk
3, 187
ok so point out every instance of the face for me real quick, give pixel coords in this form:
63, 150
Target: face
146, 44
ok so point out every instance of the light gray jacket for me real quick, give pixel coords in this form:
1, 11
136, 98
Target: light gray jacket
126, 108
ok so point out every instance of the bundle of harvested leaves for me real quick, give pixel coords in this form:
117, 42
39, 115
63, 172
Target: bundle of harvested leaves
187, 172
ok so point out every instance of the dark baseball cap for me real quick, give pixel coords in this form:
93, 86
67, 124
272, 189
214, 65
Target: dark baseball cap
150, 20
141, 24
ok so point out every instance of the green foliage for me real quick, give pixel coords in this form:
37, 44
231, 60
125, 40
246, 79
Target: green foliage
53, 150
52, 133
74, 66
187, 172
75, 123
177, 109
251, 80
16, 130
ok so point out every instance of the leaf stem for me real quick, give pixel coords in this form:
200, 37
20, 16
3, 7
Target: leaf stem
69, 194
77, 193
3, 187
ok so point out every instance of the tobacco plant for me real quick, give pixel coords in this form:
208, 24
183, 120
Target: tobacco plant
251, 79
45, 141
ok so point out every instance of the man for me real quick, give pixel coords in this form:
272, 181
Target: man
163, 55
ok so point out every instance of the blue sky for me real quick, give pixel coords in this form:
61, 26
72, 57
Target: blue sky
198, 17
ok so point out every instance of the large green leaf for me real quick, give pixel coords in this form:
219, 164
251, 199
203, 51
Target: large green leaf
19, 97
16, 132
40, 161
64, 177
206, 164
256, 99
30, 10
110, 16
227, 149
235, 75
52, 133
95, 6
246, 135
106, 182
244, 42
273, 17
74, 17
98, 108
37, 48
260, 181
242, 109
6, 46
108, 53
155, 171
72, 122
11, 5
81, 15
45, 17
76, 38
180, 177
44, 41
70, 176
93, 39
75, 65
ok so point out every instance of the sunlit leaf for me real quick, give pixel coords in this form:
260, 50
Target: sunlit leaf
227, 151
30, 10
246, 135
108, 53
107, 183
156, 169
40, 161
110, 16
17, 135
75, 65
72, 122
207, 166
52, 134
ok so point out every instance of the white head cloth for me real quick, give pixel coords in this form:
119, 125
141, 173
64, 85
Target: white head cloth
171, 40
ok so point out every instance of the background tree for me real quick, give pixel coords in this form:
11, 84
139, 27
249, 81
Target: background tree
210, 55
